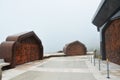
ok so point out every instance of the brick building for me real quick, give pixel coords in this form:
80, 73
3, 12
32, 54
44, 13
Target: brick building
21, 48
107, 20
75, 48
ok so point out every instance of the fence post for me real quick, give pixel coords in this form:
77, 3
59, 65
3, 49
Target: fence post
91, 58
94, 56
99, 63
108, 71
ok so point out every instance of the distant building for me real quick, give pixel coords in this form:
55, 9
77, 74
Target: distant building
21, 48
75, 48
107, 20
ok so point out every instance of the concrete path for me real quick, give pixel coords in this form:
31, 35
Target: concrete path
62, 68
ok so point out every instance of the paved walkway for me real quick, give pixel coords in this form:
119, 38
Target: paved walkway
62, 68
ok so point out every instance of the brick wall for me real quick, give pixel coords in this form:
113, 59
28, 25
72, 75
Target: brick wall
112, 41
75, 48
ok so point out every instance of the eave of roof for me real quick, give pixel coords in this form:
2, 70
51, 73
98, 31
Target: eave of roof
15, 37
106, 10
78, 42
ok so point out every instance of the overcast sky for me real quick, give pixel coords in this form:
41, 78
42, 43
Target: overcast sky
56, 22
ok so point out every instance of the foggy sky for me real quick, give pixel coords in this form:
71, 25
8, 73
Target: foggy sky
56, 22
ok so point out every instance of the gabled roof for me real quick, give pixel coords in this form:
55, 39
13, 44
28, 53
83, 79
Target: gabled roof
106, 10
22, 35
74, 42
78, 42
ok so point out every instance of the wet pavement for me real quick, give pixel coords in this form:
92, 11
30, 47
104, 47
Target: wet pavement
62, 68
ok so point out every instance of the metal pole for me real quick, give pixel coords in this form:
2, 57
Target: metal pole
0, 73
108, 71
94, 61
91, 58
94, 58
99, 64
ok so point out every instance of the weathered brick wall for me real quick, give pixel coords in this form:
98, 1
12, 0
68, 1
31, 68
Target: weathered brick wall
27, 50
75, 48
112, 41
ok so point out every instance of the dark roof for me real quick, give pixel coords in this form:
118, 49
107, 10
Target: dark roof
106, 10
22, 35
